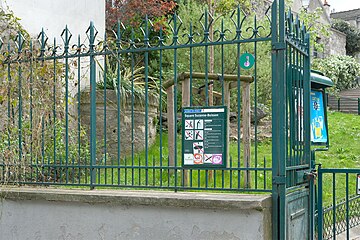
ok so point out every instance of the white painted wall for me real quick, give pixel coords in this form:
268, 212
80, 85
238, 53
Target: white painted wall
54, 15
132, 215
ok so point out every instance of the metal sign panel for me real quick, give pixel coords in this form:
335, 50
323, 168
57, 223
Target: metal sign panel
358, 184
204, 137
318, 118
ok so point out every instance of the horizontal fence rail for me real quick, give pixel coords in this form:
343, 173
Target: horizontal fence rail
339, 212
105, 111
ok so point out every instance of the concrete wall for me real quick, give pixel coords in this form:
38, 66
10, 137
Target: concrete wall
71, 214
54, 15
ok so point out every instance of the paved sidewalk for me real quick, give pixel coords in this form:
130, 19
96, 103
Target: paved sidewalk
354, 234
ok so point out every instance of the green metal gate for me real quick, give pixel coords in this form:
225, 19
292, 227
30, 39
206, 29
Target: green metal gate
291, 128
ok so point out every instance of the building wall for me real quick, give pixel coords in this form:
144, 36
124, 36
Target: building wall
54, 15
79, 214
335, 44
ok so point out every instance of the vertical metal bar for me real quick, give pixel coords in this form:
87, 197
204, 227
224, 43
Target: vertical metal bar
118, 103
160, 107
206, 37
92, 106
78, 106
105, 110
190, 63
238, 35
255, 111
320, 204
67, 38
279, 134
347, 206
265, 173
132, 114
31, 109
146, 62
338, 104
43, 150
306, 126
358, 106
222, 72
54, 105
175, 41
9, 98
333, 204
20, 44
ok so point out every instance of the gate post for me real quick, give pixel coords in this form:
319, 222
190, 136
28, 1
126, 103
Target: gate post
319, 206
92, 105
279, 135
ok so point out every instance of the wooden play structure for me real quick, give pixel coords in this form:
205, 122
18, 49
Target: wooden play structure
230, 82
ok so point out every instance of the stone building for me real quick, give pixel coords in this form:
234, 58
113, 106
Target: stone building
351, 16
335, 44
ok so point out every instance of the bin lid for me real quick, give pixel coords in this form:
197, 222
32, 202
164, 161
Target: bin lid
318, 80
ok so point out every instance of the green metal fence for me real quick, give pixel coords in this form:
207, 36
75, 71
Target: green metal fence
93, 112
344, 104
338, 212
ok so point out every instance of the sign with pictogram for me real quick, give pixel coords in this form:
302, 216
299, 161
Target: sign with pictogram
204, 137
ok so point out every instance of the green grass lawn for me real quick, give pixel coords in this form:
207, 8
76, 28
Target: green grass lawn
344, 152
153, 171
137, 170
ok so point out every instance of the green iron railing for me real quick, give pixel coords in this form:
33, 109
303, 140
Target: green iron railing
339, 212
92, 113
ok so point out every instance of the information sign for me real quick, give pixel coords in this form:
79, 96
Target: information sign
317, 120
204, 137
246, 61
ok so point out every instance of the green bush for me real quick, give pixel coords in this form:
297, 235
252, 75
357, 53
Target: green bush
342, 70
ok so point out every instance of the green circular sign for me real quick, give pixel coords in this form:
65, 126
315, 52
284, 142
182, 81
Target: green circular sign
247, 61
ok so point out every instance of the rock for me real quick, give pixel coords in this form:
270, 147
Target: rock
262, 112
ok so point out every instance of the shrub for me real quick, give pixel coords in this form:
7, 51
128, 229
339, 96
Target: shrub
342, 70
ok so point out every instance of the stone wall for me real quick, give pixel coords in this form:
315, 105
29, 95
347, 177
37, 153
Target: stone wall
335, 45
28, 213
125, 122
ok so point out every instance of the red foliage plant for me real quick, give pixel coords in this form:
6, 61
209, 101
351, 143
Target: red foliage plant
131, 12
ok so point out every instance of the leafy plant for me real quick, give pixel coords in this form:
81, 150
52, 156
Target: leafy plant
132, 81
342, 70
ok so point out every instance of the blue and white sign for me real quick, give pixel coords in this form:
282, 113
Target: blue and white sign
317, 118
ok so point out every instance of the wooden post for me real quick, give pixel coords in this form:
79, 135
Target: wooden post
185, 98
227, 103
246, 125
171, 124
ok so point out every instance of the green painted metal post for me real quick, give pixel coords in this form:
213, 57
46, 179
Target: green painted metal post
92, 106
320, 205
338, 103
66, 38
279, 135
358, 106
307, 137
146, 62
20, 42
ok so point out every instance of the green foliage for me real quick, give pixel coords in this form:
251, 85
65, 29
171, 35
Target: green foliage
11, 24
190, 14
316, 29
342, 70
132, 81
352, 36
